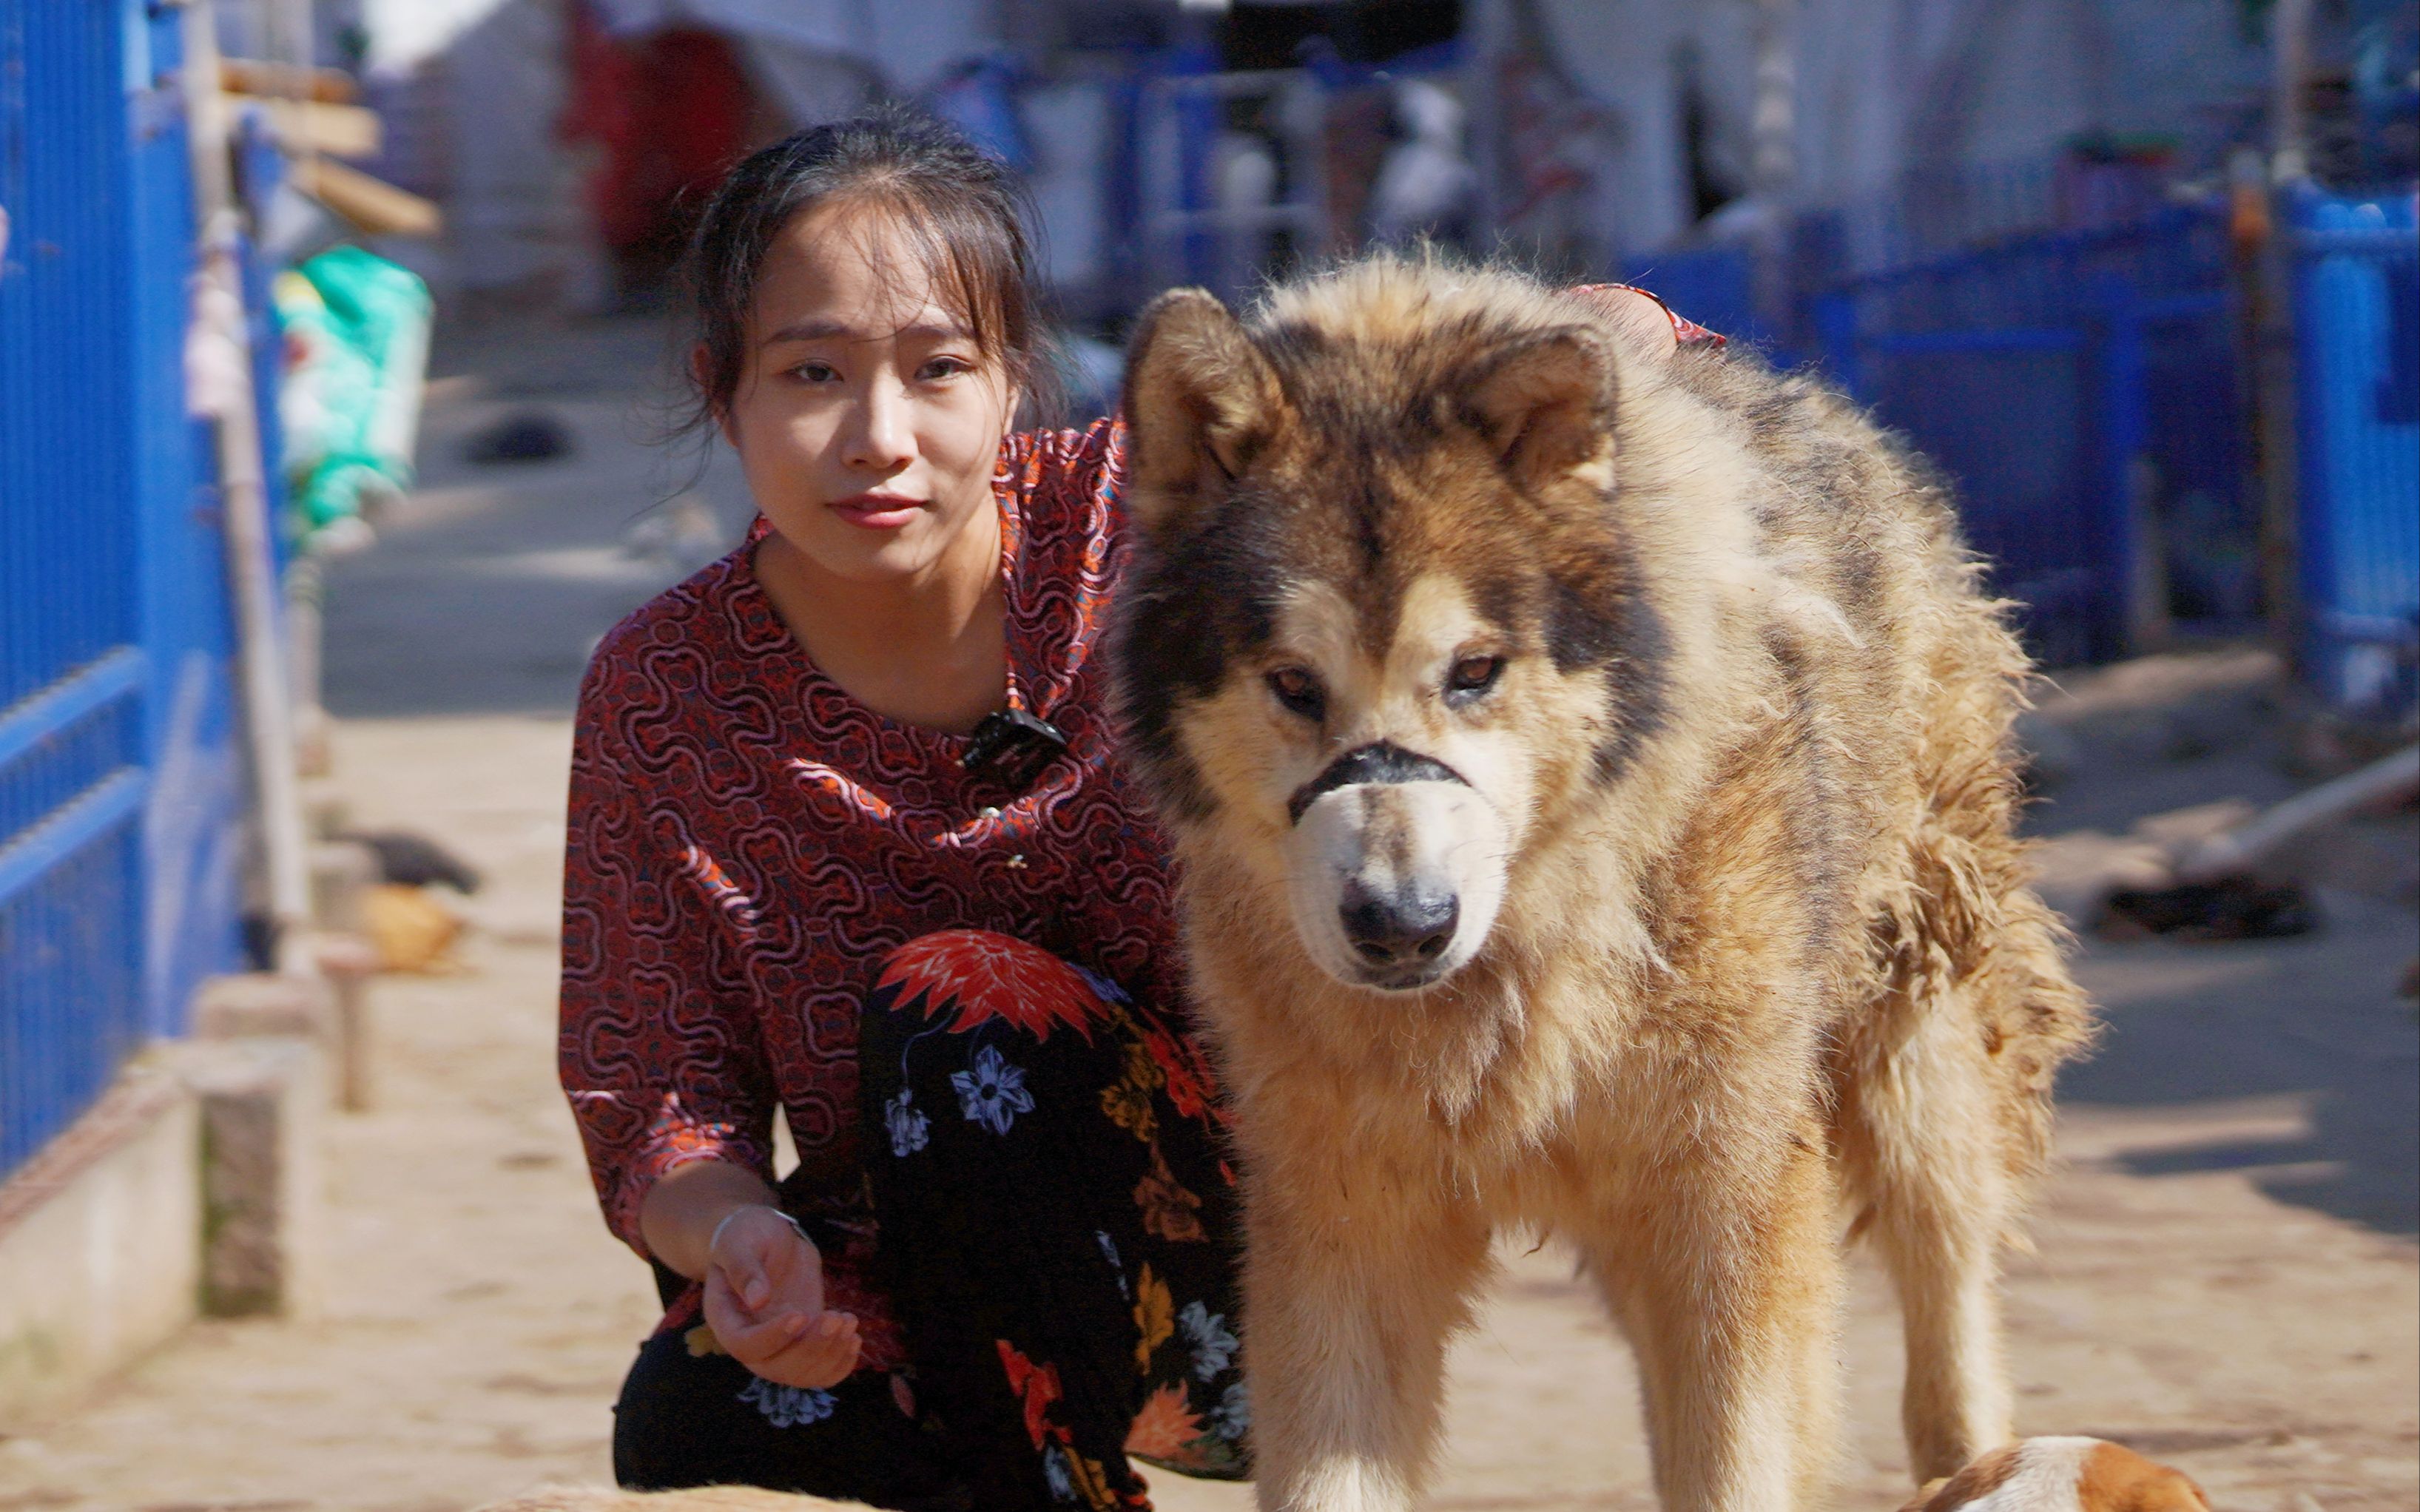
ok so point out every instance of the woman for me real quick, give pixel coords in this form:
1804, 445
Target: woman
847, 840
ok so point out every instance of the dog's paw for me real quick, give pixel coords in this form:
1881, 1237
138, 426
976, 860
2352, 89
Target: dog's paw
2062, 1475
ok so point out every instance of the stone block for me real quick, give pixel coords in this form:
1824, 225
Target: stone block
247, 1005
349, 963
100, 1244
325, 813
342, 871
263, 1187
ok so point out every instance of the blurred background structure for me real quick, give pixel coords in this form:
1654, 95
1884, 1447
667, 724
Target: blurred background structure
2060, 244
2142, 276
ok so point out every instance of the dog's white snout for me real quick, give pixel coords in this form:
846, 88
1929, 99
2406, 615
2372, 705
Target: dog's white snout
1395, 884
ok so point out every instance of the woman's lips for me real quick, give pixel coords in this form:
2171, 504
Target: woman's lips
876, 511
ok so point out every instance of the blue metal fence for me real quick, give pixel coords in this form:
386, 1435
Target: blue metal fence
2081, 390
2357, 329
2085, 390
120, 799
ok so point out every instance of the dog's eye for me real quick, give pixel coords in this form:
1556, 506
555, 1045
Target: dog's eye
1473, 675
1298, 691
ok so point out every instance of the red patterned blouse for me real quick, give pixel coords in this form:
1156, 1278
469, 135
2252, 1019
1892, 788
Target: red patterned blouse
747, 840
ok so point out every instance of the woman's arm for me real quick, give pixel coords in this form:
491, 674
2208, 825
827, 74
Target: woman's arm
668, 1085
660, 1060
720, 1223
679, 1216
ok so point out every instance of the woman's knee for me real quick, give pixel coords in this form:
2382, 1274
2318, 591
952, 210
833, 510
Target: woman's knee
967, 1024
969, 978
691, 1415
665, 1421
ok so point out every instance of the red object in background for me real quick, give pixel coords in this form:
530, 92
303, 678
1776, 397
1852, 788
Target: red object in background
672, 111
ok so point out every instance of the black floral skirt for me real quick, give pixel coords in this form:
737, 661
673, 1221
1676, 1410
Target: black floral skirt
1057, 1232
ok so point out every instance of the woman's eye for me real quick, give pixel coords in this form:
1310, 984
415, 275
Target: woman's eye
1473, 675
816, 372
1298, 691
943, 367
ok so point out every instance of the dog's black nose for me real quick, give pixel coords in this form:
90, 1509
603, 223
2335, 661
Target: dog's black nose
1408, 929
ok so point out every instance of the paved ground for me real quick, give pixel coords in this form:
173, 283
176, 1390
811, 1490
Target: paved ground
2225, 1277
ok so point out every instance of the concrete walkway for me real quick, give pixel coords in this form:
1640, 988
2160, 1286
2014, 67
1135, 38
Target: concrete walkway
2224, 1275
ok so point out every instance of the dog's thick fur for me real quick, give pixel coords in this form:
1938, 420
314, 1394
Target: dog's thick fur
1590, 775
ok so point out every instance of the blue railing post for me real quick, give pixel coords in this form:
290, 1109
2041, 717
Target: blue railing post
2119, 594
1195, 115
2358, 446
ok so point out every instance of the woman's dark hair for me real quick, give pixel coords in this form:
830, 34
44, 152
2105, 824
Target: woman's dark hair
963, 216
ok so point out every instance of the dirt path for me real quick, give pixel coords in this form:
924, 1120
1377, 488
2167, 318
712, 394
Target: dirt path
2224, 1275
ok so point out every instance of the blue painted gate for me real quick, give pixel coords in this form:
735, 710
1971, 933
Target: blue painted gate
2081, 391
121, 796
2357, 330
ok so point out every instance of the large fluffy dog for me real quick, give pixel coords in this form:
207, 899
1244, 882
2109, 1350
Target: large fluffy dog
1591, 777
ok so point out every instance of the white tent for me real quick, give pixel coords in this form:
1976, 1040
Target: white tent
1881, 86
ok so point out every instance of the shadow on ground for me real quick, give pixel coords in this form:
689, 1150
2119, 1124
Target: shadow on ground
2315, 1018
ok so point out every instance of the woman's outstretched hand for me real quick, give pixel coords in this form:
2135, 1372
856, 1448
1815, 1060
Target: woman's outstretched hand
765, 1301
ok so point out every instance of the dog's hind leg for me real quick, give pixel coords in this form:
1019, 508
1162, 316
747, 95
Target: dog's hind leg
1923, 1166
1347, 1309
1725, 1281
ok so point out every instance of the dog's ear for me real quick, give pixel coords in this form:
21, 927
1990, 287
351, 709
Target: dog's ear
1543, 404
1200, 401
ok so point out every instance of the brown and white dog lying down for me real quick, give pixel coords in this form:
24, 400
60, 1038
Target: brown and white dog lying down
2062, 1475
2032, 1476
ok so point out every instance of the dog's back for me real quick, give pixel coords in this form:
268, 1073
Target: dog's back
1915, 702
1956, 1009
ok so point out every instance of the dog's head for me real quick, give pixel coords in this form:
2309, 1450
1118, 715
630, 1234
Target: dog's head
1386, 624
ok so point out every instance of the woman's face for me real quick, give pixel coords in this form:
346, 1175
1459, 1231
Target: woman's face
868, 419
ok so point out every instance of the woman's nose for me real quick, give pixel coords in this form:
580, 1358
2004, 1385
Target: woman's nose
882, 439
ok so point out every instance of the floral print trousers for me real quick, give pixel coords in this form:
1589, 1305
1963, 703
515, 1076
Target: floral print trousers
1057, 1232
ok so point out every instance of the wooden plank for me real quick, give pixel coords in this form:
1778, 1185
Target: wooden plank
338, 130
372, 204
251, 76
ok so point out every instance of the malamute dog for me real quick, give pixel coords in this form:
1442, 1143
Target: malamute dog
1591, 776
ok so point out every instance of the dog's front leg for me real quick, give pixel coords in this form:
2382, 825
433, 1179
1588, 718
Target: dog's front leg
1726, 1279
1348, 1302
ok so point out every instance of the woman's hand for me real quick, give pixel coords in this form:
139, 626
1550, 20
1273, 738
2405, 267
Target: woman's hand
765, 1301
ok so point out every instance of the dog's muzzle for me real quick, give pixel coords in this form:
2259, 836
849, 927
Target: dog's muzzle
1399, 932
1396, 873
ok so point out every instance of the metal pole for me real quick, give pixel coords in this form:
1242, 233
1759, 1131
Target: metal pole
245, 498
289, 45
2290, 118
2272, 319
1773, 163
